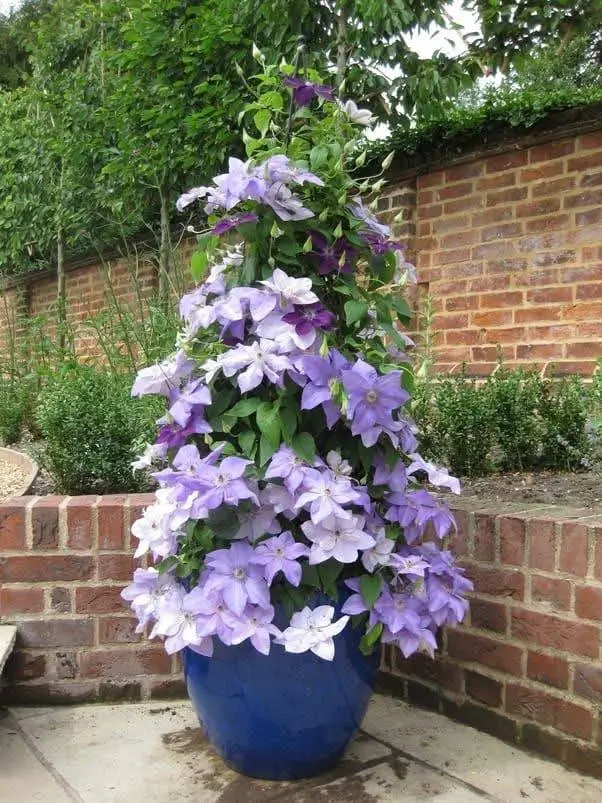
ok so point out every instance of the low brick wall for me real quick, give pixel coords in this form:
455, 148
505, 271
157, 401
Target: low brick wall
63, 562
526, 667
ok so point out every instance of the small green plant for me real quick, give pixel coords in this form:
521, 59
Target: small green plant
13, 400
564, 412
513, 398
91, 427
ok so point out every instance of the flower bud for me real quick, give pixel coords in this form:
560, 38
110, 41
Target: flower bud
276, 231
257, 54
338, 232
386, 164
308, 245
361, 159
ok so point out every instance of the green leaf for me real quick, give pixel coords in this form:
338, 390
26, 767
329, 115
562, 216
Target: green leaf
268, 421
247, 441
355, 311
288, 422
304, 445
198, 265
262, 121
329, 572
168, 563
374, 633
266, 450
318, 156
244, 408
310, 575
272, 100
370, 586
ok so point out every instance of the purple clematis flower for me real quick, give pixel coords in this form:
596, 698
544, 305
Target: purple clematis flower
415, 510
305, 91
255, 624
287, 465
227, 223
192, 399
311, 316
280, 168
284, 203
326, 495
358, 209
322, 372
337, 538
372, 398
212, 614
259, 360
340, 257
224, 484
280, 554
236, 573
380, 245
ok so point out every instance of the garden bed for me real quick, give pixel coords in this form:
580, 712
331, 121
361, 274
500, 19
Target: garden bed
578, 489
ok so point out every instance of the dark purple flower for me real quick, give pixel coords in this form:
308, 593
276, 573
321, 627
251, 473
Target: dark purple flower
310, 316
341, 256
305, 91
379, 244
227, 223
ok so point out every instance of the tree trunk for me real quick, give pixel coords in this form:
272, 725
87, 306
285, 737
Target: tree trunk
164, 251
61, 305
342, 44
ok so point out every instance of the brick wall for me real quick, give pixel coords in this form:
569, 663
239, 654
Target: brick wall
63, 562
510, 248
527, 665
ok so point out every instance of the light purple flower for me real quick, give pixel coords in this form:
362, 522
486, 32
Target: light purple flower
259, 360
155, 530
288, 466
164, 376
326, 495
280, 168
284, 203
236, 573
179, 626
281, 554
321, 372
191, 399
190, 196
213, 617
148, 593
225, 485
313, 630
415, 510
338, 538
256, 522
358, 209
380, 553
290, 290
255, 623
372, 398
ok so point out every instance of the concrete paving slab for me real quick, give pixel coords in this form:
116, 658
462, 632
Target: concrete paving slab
487, 763
157, 753
22, 776
8, 634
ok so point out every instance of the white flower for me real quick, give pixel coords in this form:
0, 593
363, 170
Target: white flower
337, 538
440, 477
314, 631
164, 376
291, 290
157, 529
154, 453
357, 116
379, 554
340, 467
259, 359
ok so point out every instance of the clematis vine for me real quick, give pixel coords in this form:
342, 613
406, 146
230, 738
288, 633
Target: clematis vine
291, 492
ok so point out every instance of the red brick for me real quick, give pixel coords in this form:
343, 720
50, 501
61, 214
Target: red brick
496, 318
590, 290
550, 590
479, 649
462, 171
537, 208
488, 615
111, 510
118, 630
549, 710
466, 337
580, 163
488, 284
429, 212
497, 582
552, 631
544, 170
125, 662
484, 537
21, 600
501, 300
453, 191
548, 669
80, 522
573, 546
512, 334
496, 215
56, 633
98, 599
588, 602
468, 204
588, 682
506, 196
500, 232
45, 568
589, 218
425, 197
551, 223
552, 150
496, 182
550, 295
554, 257
585, 198
12, 525
431, 179
449, 257
115, 567
61, 600
506, 160
483, 689
541, 543
450, 321
494, 251
492, 353
547, 188
591, 179
587, 350
539, 351
538, 314
25, 666
597, 535
588, 141
512, 540
45, 523
457, 223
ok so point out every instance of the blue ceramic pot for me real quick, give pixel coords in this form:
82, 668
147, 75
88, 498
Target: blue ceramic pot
281, 716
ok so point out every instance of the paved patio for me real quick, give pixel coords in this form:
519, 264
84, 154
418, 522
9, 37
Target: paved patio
155, 752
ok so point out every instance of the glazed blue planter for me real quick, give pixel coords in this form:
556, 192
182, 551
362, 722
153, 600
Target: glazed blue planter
281, 716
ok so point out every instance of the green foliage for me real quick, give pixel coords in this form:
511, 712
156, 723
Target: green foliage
14, 401
513, 421
91, 428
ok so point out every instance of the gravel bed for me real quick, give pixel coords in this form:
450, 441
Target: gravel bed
12, 479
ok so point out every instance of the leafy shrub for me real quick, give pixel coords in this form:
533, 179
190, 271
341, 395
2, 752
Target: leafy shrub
564, 411
513, 398
461, 429
91, 427
12, 410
